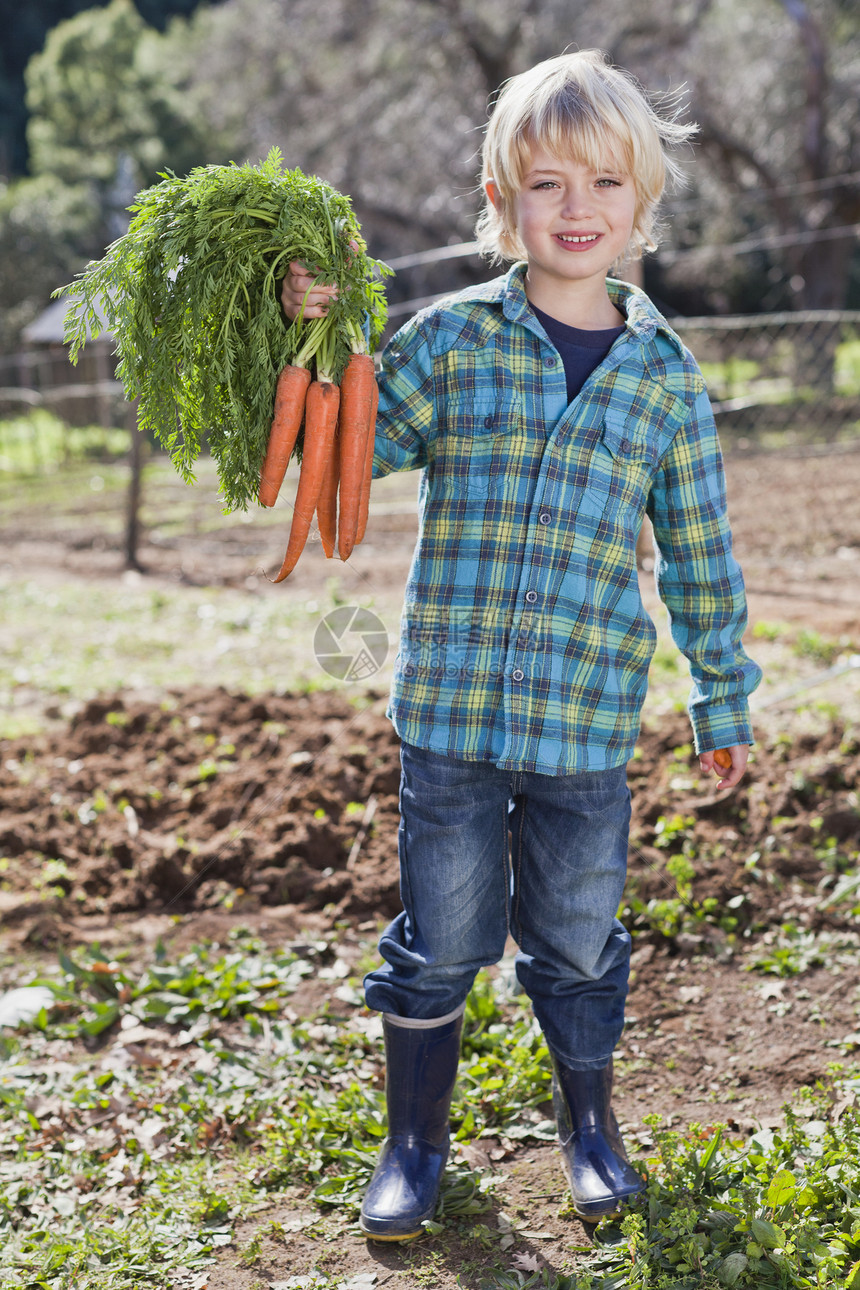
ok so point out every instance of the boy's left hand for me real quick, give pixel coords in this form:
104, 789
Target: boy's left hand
739, 754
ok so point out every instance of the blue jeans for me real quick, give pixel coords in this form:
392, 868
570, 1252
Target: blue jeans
556, 890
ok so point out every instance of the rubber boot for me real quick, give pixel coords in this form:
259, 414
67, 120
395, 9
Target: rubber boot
421, 1067
599, 1175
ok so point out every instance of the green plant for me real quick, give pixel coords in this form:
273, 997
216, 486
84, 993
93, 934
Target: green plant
810, 644
781, 1211
790, 950
191, 293
670, 915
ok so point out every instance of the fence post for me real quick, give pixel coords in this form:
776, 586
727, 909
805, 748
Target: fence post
132, 510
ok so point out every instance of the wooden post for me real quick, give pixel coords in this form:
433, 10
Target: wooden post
132, 513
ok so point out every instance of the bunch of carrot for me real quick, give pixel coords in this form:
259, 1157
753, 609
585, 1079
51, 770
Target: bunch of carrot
337, 454
191, 294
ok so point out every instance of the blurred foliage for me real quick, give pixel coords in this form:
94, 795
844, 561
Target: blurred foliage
25, 27
102, 109
46, 232
386, 100
104, 119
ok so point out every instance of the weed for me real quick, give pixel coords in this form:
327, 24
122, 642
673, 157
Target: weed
543, 1280
791, 950
812, 645
251, 1250
767, 631
145, 1166
669, 916
780, 1211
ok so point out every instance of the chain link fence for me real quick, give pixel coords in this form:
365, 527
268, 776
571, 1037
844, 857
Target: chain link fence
790, 372
793, 376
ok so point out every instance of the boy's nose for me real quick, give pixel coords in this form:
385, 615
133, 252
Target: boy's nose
576, 204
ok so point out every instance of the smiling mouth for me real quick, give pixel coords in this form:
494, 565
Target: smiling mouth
578, 239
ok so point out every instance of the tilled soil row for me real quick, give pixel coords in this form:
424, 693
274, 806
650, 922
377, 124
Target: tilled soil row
207, 798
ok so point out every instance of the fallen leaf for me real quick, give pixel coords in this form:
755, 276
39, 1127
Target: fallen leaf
474, 1155
771, 990
24, 1004
526, 1263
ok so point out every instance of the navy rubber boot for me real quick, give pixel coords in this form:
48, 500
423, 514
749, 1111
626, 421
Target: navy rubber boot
420, 1070
598, 1172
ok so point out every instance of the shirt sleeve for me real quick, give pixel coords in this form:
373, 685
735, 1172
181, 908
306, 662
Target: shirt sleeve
406, 414
700, 581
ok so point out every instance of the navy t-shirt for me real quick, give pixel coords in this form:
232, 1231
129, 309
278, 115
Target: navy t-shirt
581, 351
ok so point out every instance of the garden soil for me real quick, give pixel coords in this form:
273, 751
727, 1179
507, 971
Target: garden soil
184, 814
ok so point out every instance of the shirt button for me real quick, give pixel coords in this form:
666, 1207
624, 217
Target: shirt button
517, 675
549, 362
626, 445
488, 421
544, 517
531, 597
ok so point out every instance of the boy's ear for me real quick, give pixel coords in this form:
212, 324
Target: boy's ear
495, 197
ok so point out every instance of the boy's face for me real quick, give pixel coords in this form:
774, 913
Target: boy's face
574, 222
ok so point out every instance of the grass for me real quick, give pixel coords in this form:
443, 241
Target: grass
847, 367
126, 635
40, 443
736, 377
146, 1110
120, 1171
66, 639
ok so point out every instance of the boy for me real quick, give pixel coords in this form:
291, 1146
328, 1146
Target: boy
549, 411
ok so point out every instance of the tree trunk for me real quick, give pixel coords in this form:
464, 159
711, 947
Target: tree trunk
824, 267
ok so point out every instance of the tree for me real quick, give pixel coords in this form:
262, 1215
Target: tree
774, 86
105, 119
47, 232
25, 28
99, 102
385, 98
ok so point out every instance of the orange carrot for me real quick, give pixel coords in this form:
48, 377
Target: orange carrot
320, 424
327, 504
356, 401
723, 758
286, 423
364, 505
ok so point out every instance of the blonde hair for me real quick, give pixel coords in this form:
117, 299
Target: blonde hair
577, 106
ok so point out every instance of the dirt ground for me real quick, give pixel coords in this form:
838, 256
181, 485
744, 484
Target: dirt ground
184, 814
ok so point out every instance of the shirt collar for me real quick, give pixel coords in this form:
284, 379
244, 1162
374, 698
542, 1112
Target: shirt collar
644, 320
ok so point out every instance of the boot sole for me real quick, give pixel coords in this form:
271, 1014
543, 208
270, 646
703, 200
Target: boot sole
603, 1209
391, 1236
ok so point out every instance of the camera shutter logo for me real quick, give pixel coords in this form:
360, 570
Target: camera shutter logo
351, 643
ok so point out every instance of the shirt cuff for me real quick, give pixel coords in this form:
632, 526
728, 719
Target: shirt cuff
721, 725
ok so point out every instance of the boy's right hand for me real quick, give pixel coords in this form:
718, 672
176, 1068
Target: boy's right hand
731, 775
299, 282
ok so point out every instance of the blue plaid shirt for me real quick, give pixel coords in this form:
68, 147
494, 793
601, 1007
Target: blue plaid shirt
524, 640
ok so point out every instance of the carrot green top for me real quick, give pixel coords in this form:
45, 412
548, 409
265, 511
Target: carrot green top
192, 294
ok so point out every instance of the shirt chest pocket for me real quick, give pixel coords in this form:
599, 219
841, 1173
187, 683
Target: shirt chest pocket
622, 465
473, 440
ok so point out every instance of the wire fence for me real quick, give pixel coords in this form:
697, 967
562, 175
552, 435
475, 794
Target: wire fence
796, 375
797, 372
788, 372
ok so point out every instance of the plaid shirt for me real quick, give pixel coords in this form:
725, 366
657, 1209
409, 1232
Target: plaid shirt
524, 640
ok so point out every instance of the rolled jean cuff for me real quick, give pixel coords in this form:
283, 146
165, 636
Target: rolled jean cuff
575, 1064
424, 1023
